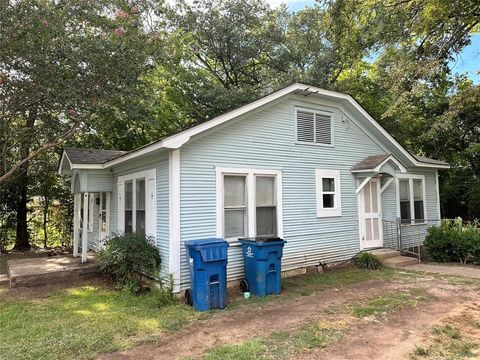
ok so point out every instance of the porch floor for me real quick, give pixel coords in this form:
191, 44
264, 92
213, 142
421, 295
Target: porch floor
44, 270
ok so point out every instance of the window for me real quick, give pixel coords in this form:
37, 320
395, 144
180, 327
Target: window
265, 206
411, 198
129, 207
140, 209
328, 193
135, 217
314, 127
103, 212
404, 200
137, 203
235, 206
248, 203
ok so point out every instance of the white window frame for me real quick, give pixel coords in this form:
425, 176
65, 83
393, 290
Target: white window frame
250, 175
150, 201
410, 178
320, 174
319, 112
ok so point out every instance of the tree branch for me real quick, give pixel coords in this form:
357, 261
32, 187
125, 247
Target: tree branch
59, 140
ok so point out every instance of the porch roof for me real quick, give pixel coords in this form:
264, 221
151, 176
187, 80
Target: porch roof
375, 164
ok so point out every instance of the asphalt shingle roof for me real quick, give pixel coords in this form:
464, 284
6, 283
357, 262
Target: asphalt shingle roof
370, 162
91, 156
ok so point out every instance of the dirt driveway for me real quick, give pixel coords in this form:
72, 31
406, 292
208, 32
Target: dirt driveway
398, 315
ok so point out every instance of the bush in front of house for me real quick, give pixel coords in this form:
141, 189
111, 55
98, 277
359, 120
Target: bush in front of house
366, 260
453, 241
130, 260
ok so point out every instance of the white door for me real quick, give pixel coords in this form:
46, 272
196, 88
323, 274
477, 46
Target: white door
370, 215
103, 217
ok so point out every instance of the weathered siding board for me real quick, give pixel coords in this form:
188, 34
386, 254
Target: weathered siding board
266, 139
162, 239
99, 180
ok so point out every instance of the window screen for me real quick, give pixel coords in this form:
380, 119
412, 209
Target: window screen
418, 199
265, 206
140, 208
235, 208
129, 207
404, 194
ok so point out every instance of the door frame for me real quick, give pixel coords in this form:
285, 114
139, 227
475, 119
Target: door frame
361, 217
102, 235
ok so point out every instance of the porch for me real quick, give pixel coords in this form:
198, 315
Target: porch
49, 269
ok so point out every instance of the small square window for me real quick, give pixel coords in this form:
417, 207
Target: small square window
328, 193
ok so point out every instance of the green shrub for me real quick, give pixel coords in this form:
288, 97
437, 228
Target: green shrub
366, 260
453, 241
131, 260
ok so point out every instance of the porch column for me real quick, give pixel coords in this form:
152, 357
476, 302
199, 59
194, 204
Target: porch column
77, 198
85, 227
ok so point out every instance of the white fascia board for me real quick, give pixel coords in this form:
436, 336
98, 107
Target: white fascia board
87, 166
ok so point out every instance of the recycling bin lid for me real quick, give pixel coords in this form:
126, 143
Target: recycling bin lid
262, 239
203, 242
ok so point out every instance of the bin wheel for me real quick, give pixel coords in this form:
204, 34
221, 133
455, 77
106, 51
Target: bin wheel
244, 286
188, 297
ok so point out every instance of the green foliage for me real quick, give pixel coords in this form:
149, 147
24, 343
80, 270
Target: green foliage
388, 303
453, 241
130, 259
87, 320
366, 260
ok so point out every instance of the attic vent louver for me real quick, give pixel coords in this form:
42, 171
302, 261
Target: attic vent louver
313, 127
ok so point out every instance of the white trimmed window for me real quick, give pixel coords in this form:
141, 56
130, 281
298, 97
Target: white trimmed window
248, 203
137, 203
411, 198
328, 193
313, 126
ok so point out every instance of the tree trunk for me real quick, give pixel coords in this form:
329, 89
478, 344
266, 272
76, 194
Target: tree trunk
45, 221
22, 240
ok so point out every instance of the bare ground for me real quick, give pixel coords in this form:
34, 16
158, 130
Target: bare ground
390, 336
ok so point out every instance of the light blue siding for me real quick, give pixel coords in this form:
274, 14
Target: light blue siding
266, 139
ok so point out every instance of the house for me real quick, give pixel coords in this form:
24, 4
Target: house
305, 164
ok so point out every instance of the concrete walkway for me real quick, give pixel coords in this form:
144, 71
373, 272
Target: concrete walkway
456, 270
44, 270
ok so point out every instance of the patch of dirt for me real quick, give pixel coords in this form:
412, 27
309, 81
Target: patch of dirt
395, 336
242, 324
389, 336
38, 292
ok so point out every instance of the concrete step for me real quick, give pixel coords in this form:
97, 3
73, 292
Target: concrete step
384, 253
399, 261
47, 270
4, 280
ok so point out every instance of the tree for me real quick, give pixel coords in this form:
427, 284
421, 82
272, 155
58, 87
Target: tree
61, 63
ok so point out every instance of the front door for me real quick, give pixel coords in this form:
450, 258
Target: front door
370, 215
104, 216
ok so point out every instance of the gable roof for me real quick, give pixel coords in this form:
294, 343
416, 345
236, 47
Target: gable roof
370, 162
177, 140
91, 156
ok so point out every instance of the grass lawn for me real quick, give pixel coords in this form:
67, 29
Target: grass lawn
83, 321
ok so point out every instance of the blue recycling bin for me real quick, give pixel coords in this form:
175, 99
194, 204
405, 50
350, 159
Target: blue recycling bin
262, 258
207, 259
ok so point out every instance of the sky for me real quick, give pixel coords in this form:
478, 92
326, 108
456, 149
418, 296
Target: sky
467, 62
